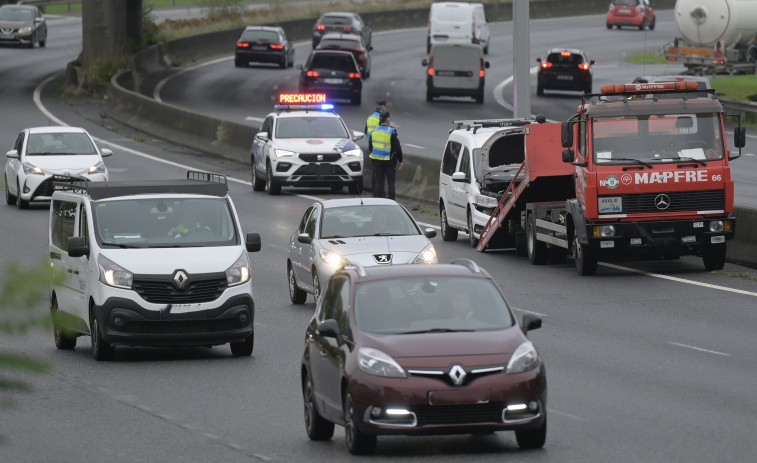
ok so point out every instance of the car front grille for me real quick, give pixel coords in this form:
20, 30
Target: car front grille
459, 414
320, 169
160, 289
709, 200
45, 188
180, 326
320, 157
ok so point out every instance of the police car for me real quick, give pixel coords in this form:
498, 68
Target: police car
305, 143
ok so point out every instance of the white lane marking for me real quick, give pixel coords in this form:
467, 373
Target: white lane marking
159, 87
566, 415
415, 146
46, 112
700, 349
531, 312
680, 280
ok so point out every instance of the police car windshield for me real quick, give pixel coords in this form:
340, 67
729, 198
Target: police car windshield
164, 222
657, 139
425, 304
310, 127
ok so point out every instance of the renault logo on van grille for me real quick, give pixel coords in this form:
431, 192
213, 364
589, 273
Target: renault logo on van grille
457, 374
180, 279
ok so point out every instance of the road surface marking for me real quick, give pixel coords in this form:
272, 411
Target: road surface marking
699, 349
414, 146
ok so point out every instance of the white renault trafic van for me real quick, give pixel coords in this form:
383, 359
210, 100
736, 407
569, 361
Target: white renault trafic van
455, 70
150, 263
457, 22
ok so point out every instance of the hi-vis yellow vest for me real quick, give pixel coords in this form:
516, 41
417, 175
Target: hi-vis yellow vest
381, 142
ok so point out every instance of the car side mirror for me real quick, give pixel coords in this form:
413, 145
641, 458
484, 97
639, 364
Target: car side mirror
459, 177
304, 238
424, 62
429, 232
370, 48
592, 63
530, 322
538, 60
12, 154
357, 135
330, 329
486, 64
252, 243
76, 247
105, 152
262, 136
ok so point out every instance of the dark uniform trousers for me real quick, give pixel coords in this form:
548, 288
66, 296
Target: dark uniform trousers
383, 171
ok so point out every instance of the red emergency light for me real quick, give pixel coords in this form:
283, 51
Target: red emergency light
302, 98
649, 88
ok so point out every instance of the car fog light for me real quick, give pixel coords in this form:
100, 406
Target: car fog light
118, 321
533, 405
635, 241
689, 239
243, 317
375, 412
716, 226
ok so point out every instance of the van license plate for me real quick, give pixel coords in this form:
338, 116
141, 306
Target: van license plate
329, 80
564, 77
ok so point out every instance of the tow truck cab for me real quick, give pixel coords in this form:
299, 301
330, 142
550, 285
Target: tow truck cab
652, 174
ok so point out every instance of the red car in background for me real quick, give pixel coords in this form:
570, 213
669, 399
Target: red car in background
352, 43
633, 13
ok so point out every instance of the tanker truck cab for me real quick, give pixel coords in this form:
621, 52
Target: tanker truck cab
652, 174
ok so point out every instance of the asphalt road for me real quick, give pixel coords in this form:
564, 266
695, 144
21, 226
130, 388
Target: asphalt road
647, 361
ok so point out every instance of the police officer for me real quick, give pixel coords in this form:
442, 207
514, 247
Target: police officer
373, 120
386, 155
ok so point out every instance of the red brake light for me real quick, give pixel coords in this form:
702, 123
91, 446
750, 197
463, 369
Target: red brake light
312, 74
347, 28
584, 66
277, 46
431, 71
320, 27
243, 44
481, 73
354, 75
565, 53
546, 64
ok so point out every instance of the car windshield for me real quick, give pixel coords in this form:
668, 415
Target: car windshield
565, 59
367, 220
334, 62
164, 222
16, 14
625, 2
259, 36
336, 20
310, 127
657, 138
430, 304
59, 143
339, 43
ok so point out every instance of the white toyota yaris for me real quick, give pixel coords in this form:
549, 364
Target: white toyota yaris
41, 152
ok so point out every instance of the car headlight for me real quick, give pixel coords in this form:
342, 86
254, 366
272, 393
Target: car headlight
427, 256
374, 362
284, 153
332, 258
524, 358
25, 30
486, 201
98, 168
31, 169
113, 274
239, 272
354, 152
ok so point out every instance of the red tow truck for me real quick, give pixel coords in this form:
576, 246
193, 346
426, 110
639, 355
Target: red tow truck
644, 173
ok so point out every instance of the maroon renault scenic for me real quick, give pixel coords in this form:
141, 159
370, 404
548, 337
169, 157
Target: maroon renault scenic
418, 350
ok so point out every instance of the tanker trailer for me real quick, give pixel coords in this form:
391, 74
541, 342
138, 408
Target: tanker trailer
716, 36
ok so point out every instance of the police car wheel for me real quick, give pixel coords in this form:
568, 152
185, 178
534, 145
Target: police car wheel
271, 187
258, 184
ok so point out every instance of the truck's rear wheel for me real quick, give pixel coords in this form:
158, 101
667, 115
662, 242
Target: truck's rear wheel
585, 258
537, 250
714, 257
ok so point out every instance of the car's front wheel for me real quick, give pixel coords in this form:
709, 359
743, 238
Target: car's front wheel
317, 427
316, 285
10, 199
20, 202
271, 186
532, 438
471, 237
358, 443
296, 295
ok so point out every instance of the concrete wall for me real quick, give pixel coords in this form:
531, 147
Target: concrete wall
419, 179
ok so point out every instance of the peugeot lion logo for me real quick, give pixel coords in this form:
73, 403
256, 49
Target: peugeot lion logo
180, 279
382, 258
457, 374
662, 202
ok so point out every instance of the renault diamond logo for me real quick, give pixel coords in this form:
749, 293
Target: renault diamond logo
382, 258
457, 374
180, 279
662, 202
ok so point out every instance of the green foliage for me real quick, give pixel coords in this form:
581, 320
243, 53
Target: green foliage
646, 58
150, 30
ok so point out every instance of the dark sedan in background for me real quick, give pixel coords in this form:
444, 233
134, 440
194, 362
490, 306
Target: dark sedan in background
344, 23
22, 25
351, 43
333, 72
262, 44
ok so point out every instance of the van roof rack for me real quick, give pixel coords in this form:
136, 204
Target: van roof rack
196, 182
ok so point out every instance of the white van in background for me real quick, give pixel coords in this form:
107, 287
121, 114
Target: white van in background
457, 22
455, 70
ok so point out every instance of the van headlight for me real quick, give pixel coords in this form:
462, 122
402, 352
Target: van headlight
524, 358
427, 256
374, 362
354, 152
486, 201
239, 272
113, 274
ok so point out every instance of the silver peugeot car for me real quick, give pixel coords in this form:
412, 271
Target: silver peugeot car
365, 231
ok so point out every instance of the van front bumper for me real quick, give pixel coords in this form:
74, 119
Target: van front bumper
126, 323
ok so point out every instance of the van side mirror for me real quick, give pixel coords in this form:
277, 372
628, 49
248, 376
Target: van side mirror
424, 62
77, 247
530, 322
459, 177
568, 155
486, 64
566, 134
429, 232
252, 243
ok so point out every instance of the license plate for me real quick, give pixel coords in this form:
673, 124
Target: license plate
5, 36
624, 10
458, 397
330, 80
564, 77
445, 73
259, 47
184, 308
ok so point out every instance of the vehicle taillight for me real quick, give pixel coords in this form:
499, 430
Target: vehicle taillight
546, 64
584, 66
320, 27
277, 46
431, 66
312, 74
640, 9
565, 53
354, 75
242, 44
347, 28
481, 72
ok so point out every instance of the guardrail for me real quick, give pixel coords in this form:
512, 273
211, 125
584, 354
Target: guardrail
43, 3
746, 109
